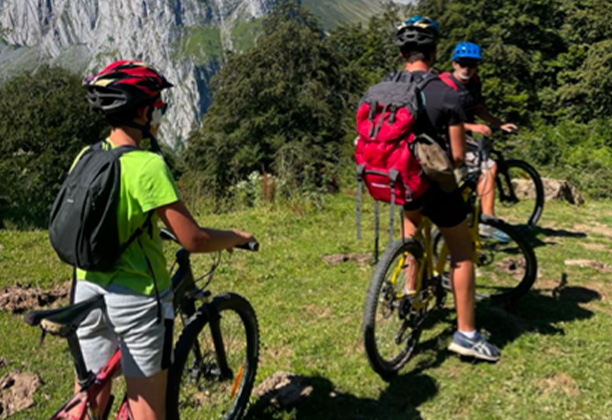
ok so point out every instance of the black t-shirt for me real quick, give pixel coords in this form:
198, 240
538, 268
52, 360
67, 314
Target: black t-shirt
442, 105
470, 95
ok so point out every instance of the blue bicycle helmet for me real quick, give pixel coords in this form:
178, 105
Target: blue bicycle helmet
467, 51
418, 30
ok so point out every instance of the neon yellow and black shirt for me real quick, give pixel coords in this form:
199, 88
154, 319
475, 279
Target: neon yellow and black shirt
146, 184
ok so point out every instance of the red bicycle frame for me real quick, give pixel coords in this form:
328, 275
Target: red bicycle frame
83, 402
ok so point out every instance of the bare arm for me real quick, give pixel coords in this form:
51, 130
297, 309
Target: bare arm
485, 115
193, 238
457, 143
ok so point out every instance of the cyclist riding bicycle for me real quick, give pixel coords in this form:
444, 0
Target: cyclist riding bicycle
464, 79
443, 120
129, 94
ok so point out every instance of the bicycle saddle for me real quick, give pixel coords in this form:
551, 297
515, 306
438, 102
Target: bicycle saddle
63, 321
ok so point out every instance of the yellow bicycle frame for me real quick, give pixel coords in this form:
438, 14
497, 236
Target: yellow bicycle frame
426, 263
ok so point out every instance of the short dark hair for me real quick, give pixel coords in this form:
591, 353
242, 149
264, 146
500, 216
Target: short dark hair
118, 119
413, 53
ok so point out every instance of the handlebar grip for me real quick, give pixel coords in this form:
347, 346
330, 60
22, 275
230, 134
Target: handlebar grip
166, 235
250, 246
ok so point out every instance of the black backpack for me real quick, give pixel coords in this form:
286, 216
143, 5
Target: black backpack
83, 222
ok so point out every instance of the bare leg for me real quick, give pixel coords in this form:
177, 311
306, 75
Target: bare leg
412, 219
486, 190
462, 274
147, 396
101, 399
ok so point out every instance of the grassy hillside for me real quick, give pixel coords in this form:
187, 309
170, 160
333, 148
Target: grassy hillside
555, 342
331, 13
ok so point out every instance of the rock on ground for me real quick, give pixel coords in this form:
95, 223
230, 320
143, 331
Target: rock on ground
554, 189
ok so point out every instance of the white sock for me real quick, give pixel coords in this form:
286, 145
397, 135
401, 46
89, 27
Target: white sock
469, 334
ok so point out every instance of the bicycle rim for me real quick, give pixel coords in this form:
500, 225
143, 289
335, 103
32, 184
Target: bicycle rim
202, 388
391, 328
520, 194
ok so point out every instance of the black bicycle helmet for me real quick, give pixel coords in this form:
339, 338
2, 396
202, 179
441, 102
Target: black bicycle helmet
419, 31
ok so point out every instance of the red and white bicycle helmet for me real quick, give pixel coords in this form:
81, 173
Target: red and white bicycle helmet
125, 85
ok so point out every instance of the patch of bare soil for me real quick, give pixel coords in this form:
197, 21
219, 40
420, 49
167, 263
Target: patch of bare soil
17, 299
17, 391
559, 382
361, 259
513, 266
594, 227
283, 389
596, 265
594, 247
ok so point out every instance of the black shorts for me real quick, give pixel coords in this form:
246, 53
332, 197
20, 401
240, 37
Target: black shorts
444, 209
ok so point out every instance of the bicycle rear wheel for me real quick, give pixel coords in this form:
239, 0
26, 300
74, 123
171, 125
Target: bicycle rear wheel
199, 386
520, 193
506, 268
391, 328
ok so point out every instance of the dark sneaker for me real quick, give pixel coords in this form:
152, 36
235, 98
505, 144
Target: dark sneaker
478, 348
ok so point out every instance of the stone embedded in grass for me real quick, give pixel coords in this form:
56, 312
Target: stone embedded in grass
283, 389
17, 391
361, 259
16, 299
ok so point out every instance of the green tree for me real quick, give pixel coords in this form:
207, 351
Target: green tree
44, 122
276, 109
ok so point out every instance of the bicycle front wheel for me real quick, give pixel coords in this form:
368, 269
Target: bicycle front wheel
214, 369
520, 193
391, 329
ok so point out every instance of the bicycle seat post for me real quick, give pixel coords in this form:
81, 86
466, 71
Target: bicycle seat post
85, 377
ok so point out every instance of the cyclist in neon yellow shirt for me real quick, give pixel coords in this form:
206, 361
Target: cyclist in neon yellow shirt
129, 94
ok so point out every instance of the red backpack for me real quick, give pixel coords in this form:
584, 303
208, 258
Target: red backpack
385, 121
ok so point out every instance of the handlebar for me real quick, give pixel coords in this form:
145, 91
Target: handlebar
166, 235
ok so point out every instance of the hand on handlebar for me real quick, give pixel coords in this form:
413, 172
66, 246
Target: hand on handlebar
509, 128
244, 240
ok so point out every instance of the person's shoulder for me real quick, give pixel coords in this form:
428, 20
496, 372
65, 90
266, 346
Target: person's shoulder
440, 87
143, 161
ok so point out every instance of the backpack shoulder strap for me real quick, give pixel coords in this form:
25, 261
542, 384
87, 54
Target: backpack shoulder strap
146, 225
425, 80
448, 80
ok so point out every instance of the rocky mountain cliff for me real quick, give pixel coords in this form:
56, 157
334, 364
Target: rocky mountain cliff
184, 39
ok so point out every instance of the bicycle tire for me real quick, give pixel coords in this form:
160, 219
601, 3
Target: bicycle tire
387, 367
506, 193
241, 385
518, 271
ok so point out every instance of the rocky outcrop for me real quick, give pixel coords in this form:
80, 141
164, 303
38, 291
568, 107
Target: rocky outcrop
554, 189
184, 39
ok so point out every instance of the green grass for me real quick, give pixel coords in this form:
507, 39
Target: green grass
556, 345
332, 13
201, 43
244, 34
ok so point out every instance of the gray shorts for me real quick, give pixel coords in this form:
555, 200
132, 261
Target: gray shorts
471, 157
130, 324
